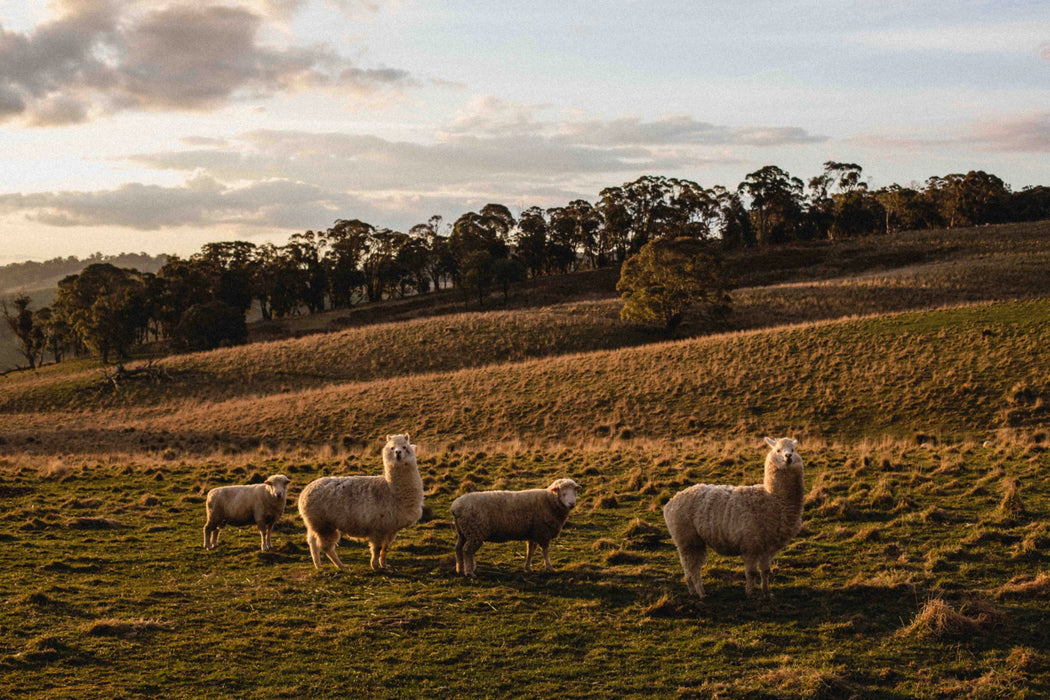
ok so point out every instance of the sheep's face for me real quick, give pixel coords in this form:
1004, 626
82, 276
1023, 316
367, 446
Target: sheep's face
277, 485
399, 450
565, 490
784, 452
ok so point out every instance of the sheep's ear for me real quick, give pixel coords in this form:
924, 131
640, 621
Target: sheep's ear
771, 442
389, 438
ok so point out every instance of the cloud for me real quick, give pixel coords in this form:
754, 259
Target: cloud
103, 57
984, 38
1026, 133
494, 117
201, 201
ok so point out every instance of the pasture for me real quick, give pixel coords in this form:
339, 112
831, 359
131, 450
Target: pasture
916, 384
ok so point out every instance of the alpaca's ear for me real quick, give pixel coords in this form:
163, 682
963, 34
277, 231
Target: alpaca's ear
389, 438
408, 439
771, 442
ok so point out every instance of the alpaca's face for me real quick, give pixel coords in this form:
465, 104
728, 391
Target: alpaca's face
784, 452
398, 450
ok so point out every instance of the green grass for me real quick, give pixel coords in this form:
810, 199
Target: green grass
921, 570
108, 591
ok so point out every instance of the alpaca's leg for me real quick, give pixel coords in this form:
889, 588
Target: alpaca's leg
328, 544
314, 542
693, 555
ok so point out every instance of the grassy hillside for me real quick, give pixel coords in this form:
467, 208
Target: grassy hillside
921, 569
965, 372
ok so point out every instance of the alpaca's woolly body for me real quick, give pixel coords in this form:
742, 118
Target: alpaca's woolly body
753, 522
372, 508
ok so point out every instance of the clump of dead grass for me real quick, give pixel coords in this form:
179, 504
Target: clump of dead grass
937, 620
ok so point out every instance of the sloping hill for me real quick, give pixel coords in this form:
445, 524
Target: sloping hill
966, 371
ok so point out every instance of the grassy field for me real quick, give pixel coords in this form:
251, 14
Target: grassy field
921, 572
919, 393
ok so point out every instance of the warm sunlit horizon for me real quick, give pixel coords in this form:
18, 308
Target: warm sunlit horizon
158, 127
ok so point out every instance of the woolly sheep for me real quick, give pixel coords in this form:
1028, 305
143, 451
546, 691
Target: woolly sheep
754, 522
261, 504
372, 508
535, 515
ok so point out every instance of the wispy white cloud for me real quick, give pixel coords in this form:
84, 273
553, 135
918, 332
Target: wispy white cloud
490, 116
1024, 133
1025, 37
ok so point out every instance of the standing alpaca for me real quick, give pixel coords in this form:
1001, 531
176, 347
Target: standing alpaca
753, 522
373, 508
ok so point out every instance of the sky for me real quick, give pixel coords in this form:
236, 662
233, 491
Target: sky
156, 126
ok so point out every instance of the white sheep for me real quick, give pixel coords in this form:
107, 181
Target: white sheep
754, 522
373, 508
535, 515
258, 504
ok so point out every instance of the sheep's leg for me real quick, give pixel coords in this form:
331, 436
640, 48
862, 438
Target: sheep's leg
469, 565
376, 547
460, 541
749, 576
547, 556
264, 538
208, 530
530, 549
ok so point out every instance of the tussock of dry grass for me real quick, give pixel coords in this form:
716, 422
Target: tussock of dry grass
939, 620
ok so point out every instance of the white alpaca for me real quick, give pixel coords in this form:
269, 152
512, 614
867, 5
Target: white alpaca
753, 522
373, 508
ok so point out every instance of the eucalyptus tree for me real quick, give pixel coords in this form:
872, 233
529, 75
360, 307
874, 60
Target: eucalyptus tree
530, 241
26, 327
105, 306
776, 204
669, 276
349, 242
437, 263
235, 261
305, 253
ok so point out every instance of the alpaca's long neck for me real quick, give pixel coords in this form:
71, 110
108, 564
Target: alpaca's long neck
405, 482
787, 485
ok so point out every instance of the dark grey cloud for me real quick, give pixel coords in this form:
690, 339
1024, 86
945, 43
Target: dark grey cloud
369, 163
102, 57
202, 201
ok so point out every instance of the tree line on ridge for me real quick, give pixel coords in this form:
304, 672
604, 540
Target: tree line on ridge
200, 302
